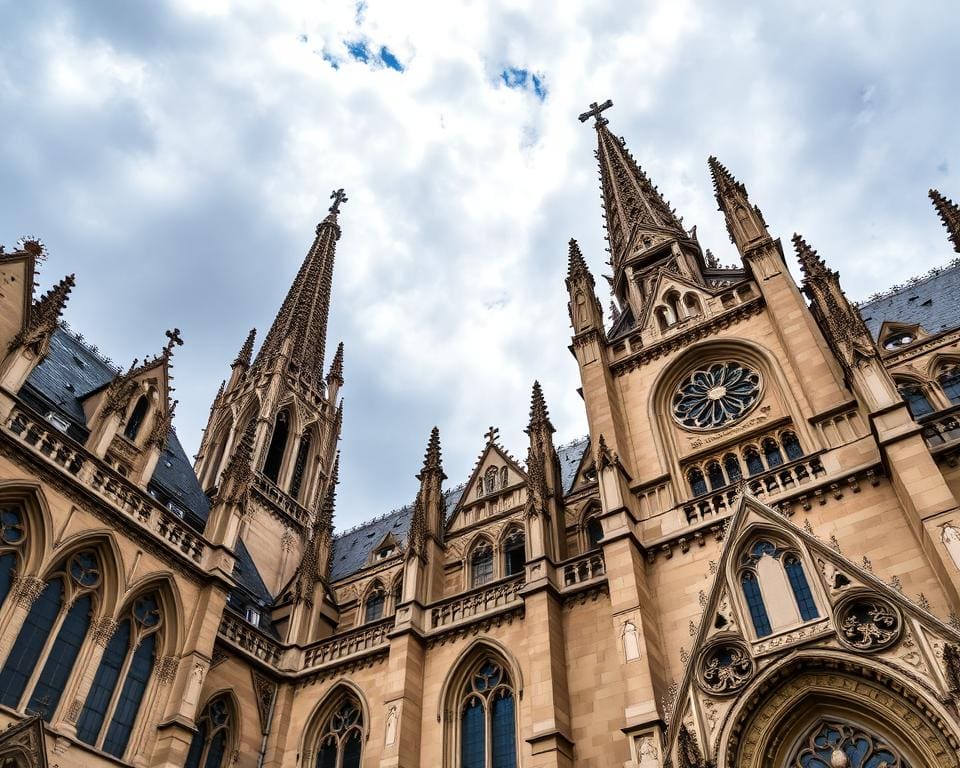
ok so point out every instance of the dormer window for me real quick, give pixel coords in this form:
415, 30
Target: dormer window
58, 421
252, 615
898, 340
384, 552
136, 418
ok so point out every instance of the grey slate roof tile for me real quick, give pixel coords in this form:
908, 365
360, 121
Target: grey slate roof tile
932, 302
570, 456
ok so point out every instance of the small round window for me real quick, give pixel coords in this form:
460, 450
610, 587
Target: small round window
716, 396
898, 340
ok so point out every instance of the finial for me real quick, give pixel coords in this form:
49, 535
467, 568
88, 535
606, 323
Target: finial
431, 459
539, 417
173, 339
950, 215
246, 351
811, 264
34, 246
336, 367
339, 197
722, 178
595, 112
575, 262
492, 434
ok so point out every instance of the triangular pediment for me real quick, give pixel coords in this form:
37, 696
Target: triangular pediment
691, 301
894, 335
912, 642
495, 473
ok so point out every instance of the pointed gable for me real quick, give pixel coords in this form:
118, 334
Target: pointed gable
497, 483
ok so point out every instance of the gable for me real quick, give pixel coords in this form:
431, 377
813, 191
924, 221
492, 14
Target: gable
495, 479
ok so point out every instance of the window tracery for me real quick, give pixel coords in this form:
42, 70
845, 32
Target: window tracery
838, 745
13, 535
487, 735
341, 741
481, 564
916, 399
107, 718
725, 469
770, 575
868, 623
374, 605
716, 396
208, 747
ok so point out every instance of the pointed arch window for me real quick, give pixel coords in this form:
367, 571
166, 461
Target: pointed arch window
136, 418
758, 611
771, 452
698, 485
373, 609
300, 465
754, 463
594, 533
715, 475
915, 398
732, 466
110, 711
514, 553
791, 445
278, 445
54, 630
341, 741
12, 536
481, 565
487, 721
769, 569
209, 745
950, 383
800, 587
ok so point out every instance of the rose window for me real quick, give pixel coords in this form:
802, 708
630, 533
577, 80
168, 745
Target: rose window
716, 396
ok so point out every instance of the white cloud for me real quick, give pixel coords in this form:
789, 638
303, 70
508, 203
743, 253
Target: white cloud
178, 160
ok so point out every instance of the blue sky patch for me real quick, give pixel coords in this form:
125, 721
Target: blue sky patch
359, 51
389, 60
523, 80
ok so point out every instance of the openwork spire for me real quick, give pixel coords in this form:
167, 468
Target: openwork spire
539, 418
246, 351
302, 318
632, 205
950, 215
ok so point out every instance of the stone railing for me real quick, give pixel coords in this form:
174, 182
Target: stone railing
479, 601
349, 643
942, 430
235, 630
585, 567
280, 500
771, 483
41, 437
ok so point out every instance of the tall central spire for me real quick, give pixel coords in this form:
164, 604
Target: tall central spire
633, 206
303, 315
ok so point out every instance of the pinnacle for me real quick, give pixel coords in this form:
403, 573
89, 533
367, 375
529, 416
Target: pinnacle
330, 498
576, 265
336, 367
539, 417
432, 459
722, 178
950, 216
49, 306
811, 264
246, 351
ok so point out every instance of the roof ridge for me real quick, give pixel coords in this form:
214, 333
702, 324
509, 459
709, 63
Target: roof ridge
380, 518
910, 282
93, 349
571, 443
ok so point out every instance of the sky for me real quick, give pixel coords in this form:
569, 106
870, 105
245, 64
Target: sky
177, 157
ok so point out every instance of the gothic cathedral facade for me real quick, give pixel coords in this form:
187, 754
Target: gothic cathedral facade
751, 561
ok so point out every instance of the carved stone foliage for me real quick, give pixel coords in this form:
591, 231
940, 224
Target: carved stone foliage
22, 744
868, 623
725, 667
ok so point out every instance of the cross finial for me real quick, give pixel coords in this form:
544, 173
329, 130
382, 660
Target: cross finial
339, 197
174, 339
492, 434
595, 110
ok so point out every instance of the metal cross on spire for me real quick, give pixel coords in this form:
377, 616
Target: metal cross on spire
174, 339
595, 110
492, 434
339, 197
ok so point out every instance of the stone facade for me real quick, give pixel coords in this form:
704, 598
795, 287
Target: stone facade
753, 559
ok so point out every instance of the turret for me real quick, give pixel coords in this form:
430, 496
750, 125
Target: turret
584, 307
545, 537
745, 223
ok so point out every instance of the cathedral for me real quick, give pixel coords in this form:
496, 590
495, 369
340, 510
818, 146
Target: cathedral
752, 559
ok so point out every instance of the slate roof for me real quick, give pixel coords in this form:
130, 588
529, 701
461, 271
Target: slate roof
570, 456
931, 302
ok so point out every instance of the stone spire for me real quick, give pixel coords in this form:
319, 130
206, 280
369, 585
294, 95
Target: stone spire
634, 209
302, 318
429, 512
45, 314
745, 223
245, 354
584, 307
539, 418
336, 367
950, 215
576, 265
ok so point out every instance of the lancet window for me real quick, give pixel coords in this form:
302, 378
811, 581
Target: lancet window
949, 380
514, 553
278, 446
775, 588
916, 399
341, 740
45, 651
487, 736
374, 604
481, 565
594, 533
13, 534
208, 748
723, 470
110, 711
137, 417
300, 465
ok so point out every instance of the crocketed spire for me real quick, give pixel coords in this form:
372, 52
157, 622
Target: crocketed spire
336, 367
538, 410
576, 265
431, 459
745, 222
246, 351
811, 264
45, 313
303, 315
950, 215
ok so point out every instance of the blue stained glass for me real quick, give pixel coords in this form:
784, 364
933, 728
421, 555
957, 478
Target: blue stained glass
128, 705
801, 589
62, 657
218, 745
950, 383
754, 462
792, 446
30, 643
8, 565
758, 611
472, 738
374, 606
327, 757
196, 746
351, 751
698, 486
104, 682
503, 732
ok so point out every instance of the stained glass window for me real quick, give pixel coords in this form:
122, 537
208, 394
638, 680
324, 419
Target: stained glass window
209, 744
754, 462
341, 741
62, 657
125, 712
11, 526
732, 465
108, 673
472, 737
837, 744
30, 643
950, 384
801, 589
716, 396
791, 445
698, 486
916, 400
488, 723
758, 611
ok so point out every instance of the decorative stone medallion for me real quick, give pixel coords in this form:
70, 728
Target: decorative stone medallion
868, 623
725, 667
716, 396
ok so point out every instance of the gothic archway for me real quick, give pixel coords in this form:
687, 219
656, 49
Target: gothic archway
814, 709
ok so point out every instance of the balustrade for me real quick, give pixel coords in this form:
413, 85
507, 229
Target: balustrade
941, 431
280, 500
254, 641
476, 602
584, 568
349, 643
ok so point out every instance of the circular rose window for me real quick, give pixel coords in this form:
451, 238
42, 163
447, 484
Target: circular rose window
716, 396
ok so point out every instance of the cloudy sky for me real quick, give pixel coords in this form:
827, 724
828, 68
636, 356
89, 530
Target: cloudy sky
178, 156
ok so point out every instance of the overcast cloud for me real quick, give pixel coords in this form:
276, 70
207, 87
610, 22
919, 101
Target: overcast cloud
178, 156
